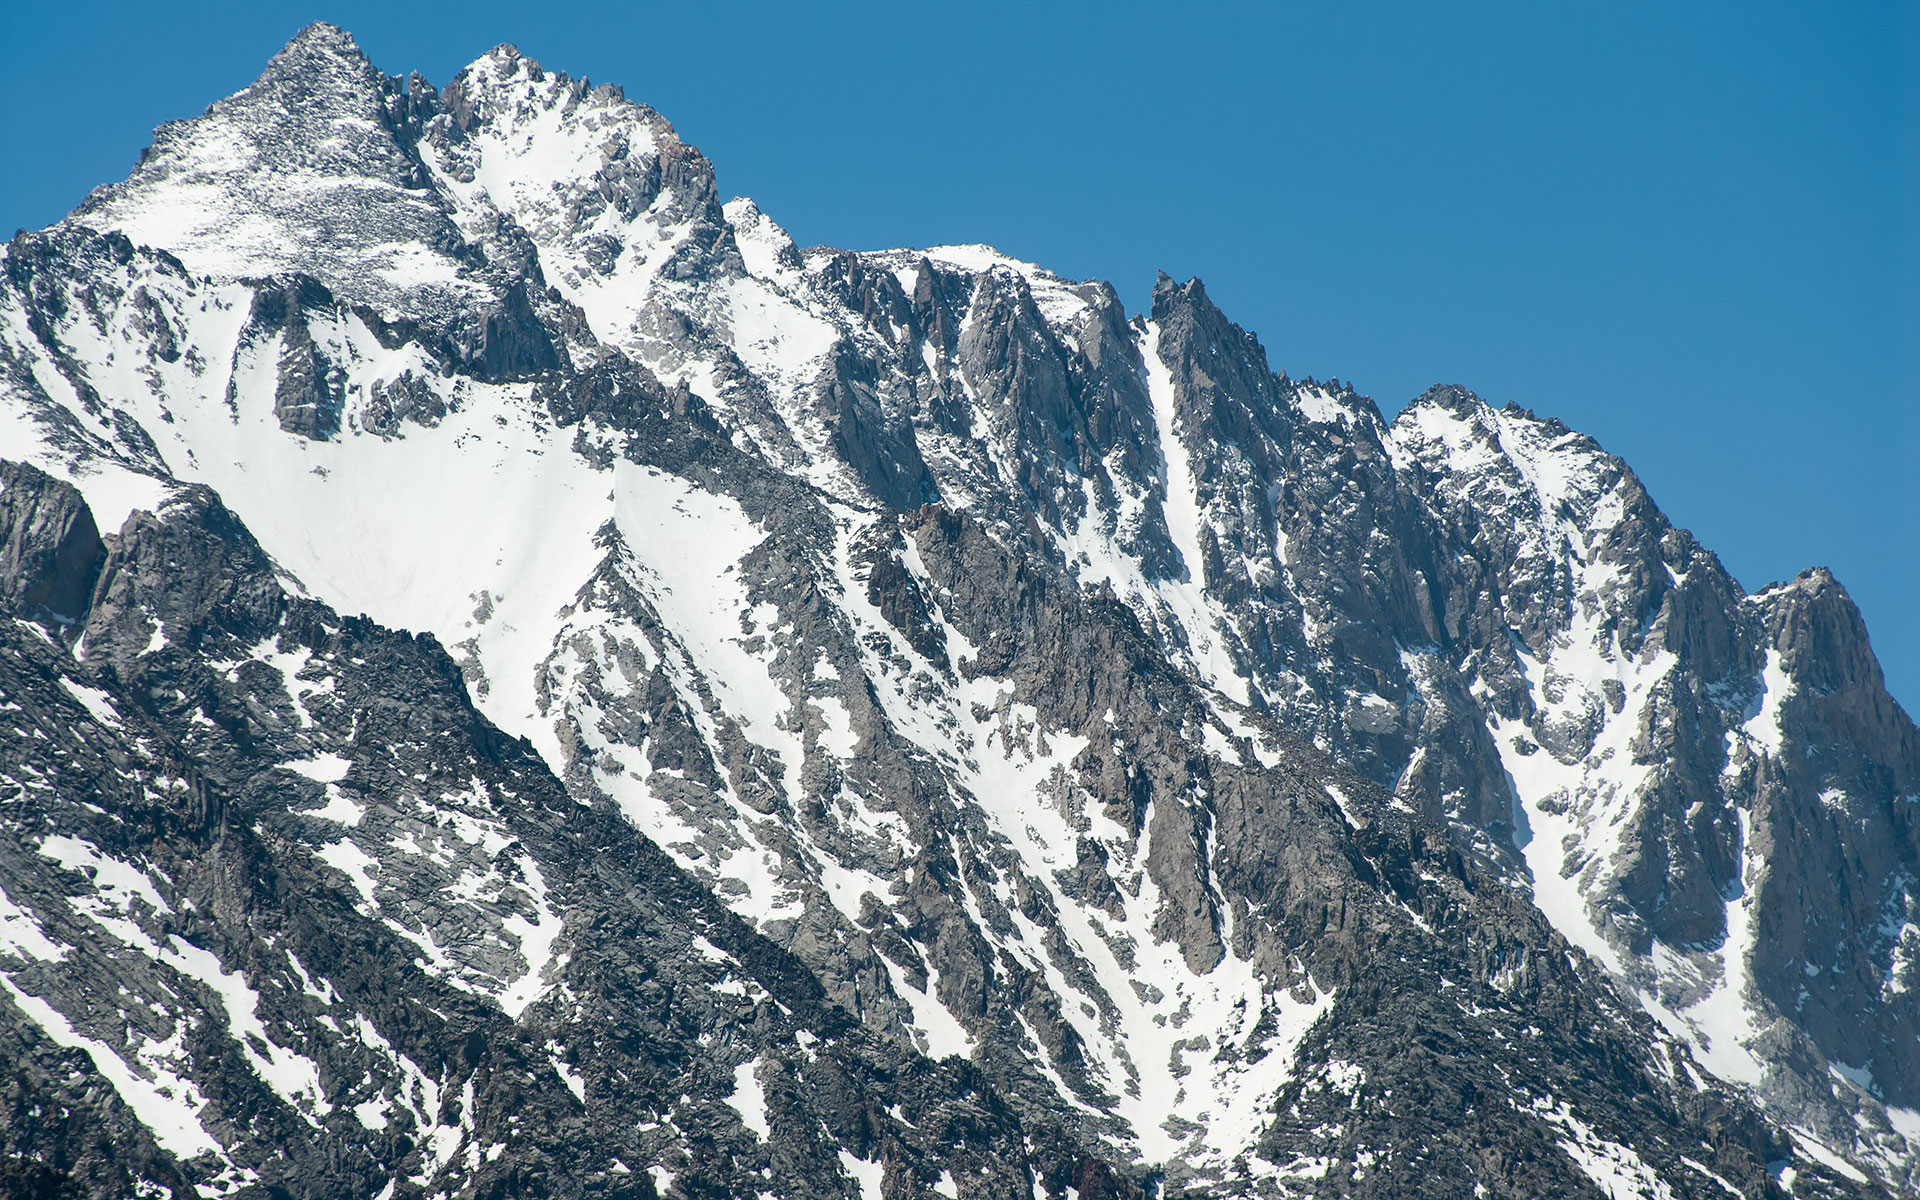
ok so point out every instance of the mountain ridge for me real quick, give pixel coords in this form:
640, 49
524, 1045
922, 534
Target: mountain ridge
985, 648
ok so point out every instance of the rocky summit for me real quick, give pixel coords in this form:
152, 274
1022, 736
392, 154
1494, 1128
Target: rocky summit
518, 680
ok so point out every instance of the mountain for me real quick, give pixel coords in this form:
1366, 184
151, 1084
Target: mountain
522, 681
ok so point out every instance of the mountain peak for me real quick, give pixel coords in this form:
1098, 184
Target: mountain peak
323, 37
922, 649
504, 61
1167, 293
1451, 397
306, 170
321, 55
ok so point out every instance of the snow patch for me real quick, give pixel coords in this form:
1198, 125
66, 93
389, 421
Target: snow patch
749, 1099
865, 1175
321, 768
99, 704
21, 934
168, 1104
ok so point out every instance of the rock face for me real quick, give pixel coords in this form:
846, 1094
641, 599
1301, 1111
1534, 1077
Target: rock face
872, 724
362, 938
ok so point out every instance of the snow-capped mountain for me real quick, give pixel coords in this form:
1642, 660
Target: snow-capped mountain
870, 723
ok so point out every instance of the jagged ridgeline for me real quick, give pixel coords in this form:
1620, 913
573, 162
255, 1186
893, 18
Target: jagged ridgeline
520, 681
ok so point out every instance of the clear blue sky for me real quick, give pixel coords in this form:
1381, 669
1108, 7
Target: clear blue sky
1689, 230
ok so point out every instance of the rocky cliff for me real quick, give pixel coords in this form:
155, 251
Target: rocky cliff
870, 723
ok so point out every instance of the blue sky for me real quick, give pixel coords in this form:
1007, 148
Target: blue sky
1690, 230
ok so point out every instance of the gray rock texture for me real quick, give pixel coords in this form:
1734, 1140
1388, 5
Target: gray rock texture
519, 680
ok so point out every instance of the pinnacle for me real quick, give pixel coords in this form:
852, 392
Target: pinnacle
322, 37
320, 51
504, 61
1450, 396
1166, 293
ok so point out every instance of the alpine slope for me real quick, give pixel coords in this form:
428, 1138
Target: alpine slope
523, 681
